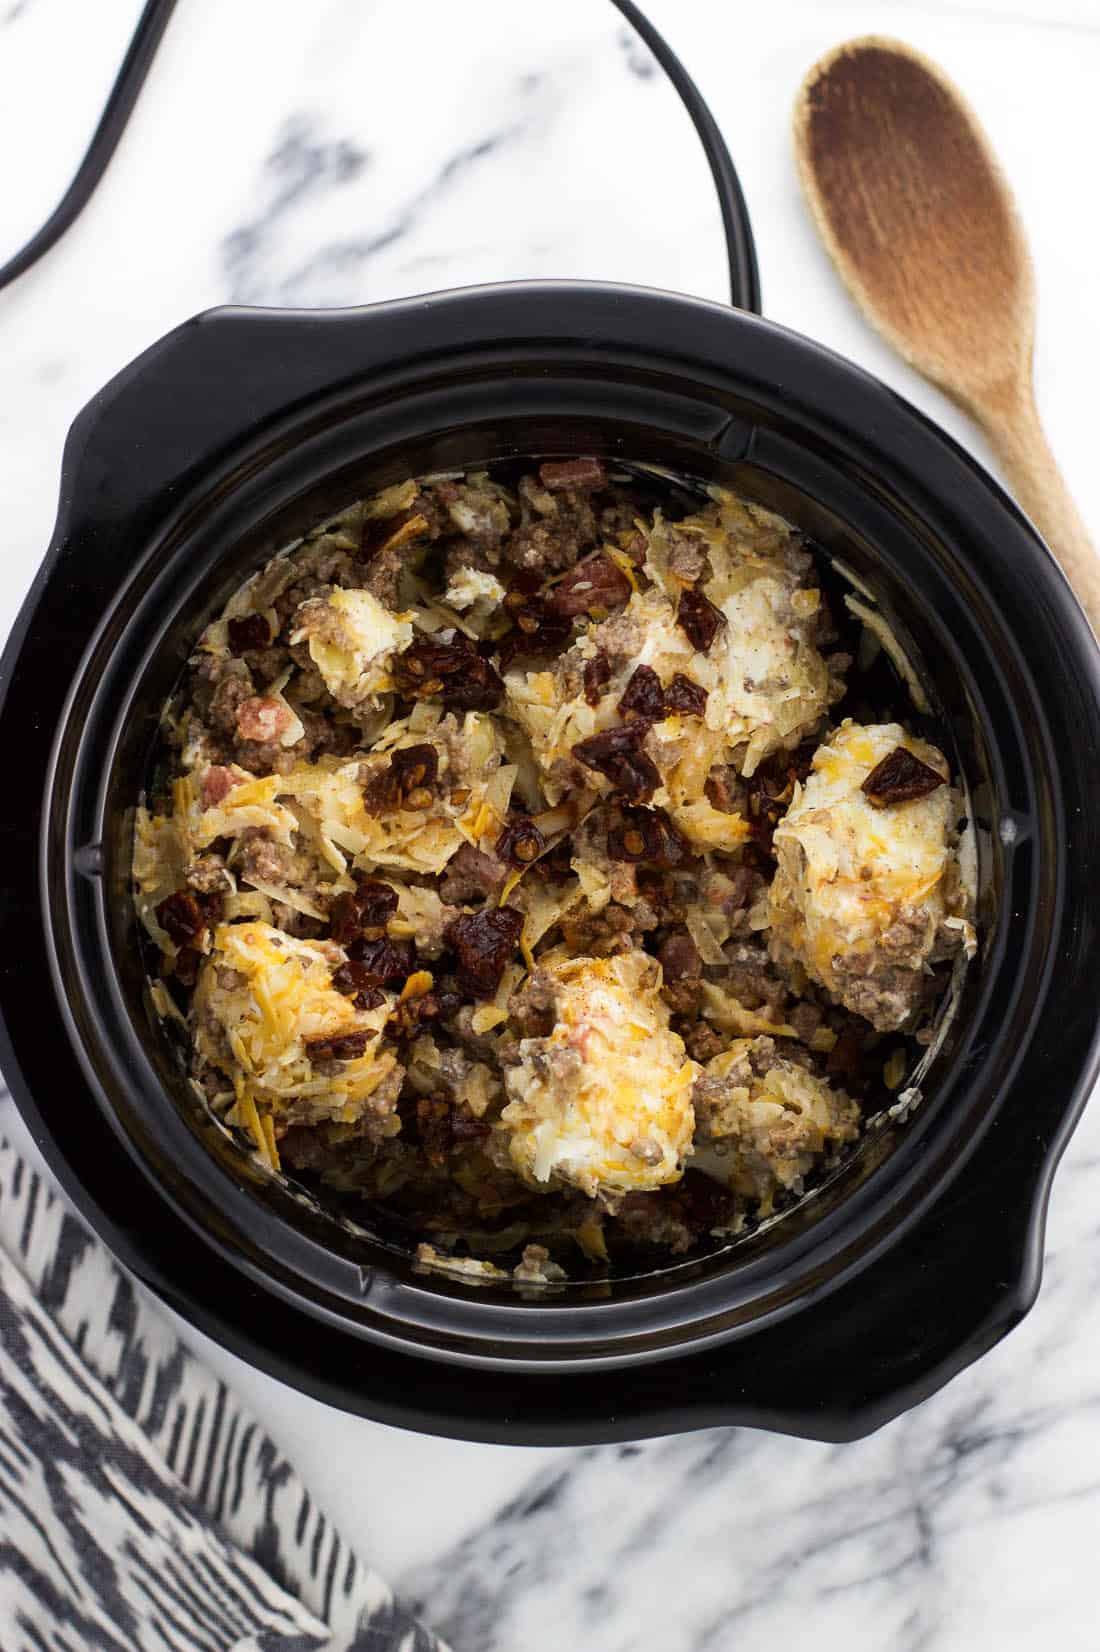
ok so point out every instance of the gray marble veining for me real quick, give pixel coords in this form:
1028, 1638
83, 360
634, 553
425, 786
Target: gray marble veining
978, 1507
346, 153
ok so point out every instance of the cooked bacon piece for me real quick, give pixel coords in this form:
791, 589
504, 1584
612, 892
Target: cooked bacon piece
217, 783
264, 719
594, 584
579, 474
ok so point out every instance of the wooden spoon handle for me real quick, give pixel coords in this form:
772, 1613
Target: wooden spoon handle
1019, 441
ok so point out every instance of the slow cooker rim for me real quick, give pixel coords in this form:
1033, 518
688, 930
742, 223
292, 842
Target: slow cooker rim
507, 1317
726, 318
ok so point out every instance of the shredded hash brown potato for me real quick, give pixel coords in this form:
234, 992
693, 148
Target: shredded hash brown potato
511, 865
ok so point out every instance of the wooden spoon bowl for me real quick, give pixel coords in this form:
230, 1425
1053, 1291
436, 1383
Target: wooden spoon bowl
919, 220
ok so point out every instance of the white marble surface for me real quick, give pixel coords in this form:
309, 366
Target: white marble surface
353, 150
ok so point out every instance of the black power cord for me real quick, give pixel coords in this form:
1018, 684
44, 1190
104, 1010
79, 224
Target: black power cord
740, 249
740, 246
112, 123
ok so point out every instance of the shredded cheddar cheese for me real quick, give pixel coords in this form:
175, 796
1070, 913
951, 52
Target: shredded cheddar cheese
272, 997
604, 1102
352, 640
849, 872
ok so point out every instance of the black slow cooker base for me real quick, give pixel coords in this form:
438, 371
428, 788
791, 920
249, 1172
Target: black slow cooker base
188, 471
843, 1367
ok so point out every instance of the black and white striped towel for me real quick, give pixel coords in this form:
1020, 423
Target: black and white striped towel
141, 1509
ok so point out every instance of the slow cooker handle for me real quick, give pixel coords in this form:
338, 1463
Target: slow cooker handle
740, 245
964, 1276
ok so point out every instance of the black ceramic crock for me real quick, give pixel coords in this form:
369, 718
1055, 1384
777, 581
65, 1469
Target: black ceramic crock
243, 427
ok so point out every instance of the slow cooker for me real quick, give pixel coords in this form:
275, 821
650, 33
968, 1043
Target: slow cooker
217, 447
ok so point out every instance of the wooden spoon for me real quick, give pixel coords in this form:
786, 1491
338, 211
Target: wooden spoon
922, 227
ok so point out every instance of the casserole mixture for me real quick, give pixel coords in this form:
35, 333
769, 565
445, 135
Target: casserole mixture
522, 860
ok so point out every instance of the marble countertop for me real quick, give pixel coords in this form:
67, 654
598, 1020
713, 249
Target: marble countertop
354, 150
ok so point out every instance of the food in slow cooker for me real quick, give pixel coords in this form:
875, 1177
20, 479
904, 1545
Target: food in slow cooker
867, 893
513, 865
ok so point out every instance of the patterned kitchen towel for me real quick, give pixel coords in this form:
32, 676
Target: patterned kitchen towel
141, 1509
